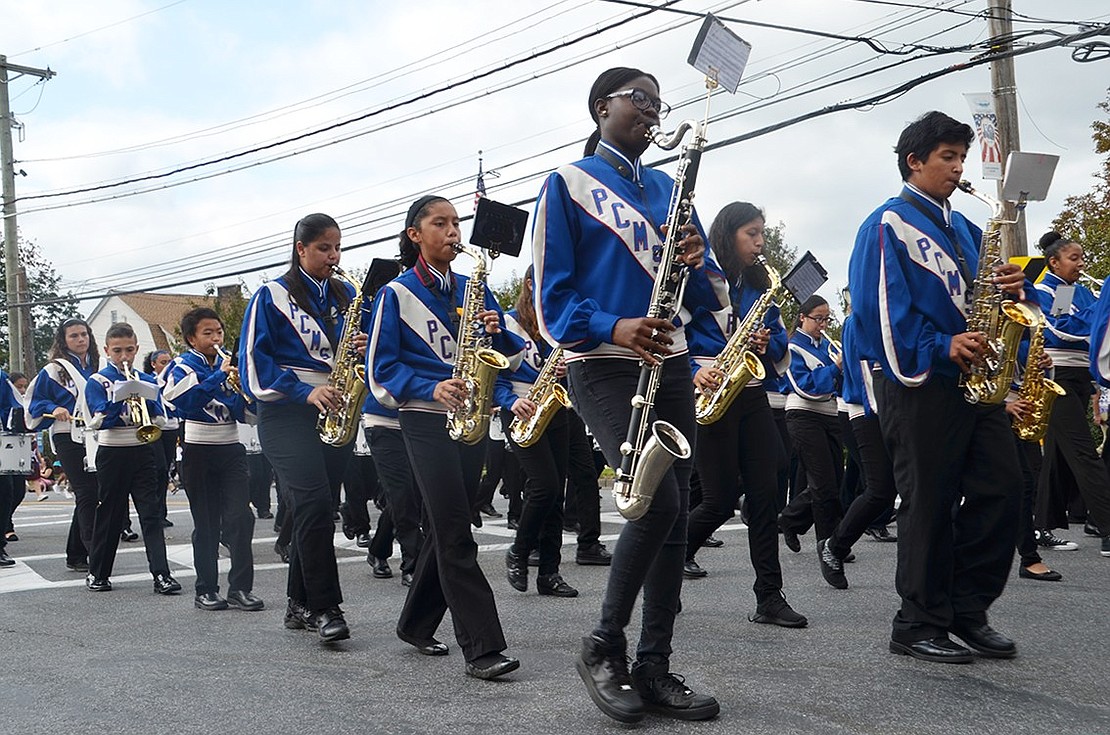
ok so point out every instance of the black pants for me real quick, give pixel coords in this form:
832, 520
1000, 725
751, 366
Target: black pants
784, 462
6, 482
85, 491
121, 471
1069, 444
742, 444
360, 487
512, 483
851, 483
447, 574
391, 460
165, 457
215, 477
16, 493
495, 470
583, 491
545, 470
310, 472
816, 438
945, 450
650, 551
261, 478
1029, 455
877, 501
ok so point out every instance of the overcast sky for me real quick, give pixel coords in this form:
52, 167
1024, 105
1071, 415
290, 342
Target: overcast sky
194, 80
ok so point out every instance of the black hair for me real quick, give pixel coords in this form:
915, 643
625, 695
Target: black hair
148, 360
309, 229
925, 134
722, 239
609, 81
410, 251
13, 377
526, 306
192, 320
120, 330
809, 305
59, 351
1051, 243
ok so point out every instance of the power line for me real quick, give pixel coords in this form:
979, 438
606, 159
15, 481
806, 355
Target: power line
97, 30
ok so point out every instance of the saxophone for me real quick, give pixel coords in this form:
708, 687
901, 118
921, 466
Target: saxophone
549, 396
476, 363
338, 426
1002, 321
738, 364
1037, 389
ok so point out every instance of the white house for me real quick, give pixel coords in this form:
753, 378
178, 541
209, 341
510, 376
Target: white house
155, 317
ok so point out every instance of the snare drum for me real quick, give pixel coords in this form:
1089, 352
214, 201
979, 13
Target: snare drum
17, 452
248, 437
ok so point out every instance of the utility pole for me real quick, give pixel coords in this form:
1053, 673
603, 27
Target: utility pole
19, 354
1004, 90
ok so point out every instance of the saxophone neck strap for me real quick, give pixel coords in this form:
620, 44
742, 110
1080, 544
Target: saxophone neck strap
948, 230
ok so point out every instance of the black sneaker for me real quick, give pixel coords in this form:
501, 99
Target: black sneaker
777, 611
164, 584
832, 569
1105, 551
594, 556
553, 585
7, 561
265, 514
1046, 539
712, 542
692, 570
75, 566
1091, 529
516, 571
97, 585
882, 533
604, 669
489, 510
282, 551
297, 617
331, 625
789, 537
667, 693
128, 535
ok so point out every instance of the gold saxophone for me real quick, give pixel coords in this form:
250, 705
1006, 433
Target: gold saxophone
549, 396
1002, 321
137, 413
1037, 389
738, 364
476, 363
338, 426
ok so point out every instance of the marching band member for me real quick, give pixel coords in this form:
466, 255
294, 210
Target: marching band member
1068, 442
214, 463
125, 465
911, 276
744, 442
544, 462
290, 333
55, 394
595, 233
811, 418
9, 483
409, 367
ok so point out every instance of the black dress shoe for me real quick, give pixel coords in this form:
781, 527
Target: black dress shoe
73, 566
534, 558
604, 669
491, 666
667, 694
941, 650
476, 519
379, 567
297, 616
790, 538
363, 540
882, 533
125, 535
245, 601
553, 585
164, 584
167, 523
516, 571
985, 640
594, 556
265, 515
712, 543
209, 601
692, 570
832, 569
347, 526
331, 625
775, 610
424, 646
97, 585
512, 524
1050, 576
1091, 529
282, 551
11, 536
7, 561
489, 510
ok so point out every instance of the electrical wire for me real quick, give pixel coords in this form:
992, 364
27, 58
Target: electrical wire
96, 30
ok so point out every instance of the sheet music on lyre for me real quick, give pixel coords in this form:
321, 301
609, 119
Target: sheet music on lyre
805, 277
720, 54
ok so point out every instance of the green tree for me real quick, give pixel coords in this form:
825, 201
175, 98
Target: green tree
782, 258
42, 285
507, 293
1086, 217
230, 303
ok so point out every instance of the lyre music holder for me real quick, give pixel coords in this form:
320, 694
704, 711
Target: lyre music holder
498, 228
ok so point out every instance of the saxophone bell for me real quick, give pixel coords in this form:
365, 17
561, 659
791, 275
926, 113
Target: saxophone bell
633, 493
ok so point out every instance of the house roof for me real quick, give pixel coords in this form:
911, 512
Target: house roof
163, 312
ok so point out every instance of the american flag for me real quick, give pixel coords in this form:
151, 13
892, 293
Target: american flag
480, 187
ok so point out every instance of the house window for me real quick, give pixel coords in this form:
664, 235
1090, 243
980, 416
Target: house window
115, 316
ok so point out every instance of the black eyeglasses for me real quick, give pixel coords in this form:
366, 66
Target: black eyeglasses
818, 319
641, 100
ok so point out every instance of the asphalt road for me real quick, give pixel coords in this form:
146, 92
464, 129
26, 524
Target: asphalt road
131, 661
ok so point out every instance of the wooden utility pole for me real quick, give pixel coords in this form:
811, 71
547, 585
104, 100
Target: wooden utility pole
1004, 90
20, 355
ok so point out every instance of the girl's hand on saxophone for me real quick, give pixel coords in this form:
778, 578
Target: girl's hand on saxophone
1010, 279
966, 349
708, 379
524, 409
451, 393
491, 320
324, 397
646, 336
360, 342
691, 248
760, 339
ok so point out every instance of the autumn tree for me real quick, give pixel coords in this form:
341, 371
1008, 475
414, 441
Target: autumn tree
51, 305
1086, 217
